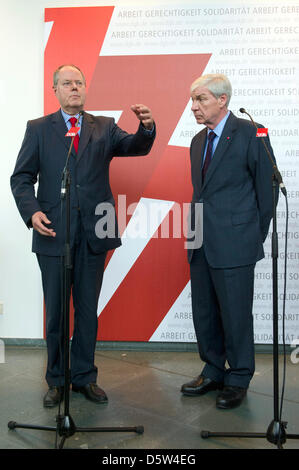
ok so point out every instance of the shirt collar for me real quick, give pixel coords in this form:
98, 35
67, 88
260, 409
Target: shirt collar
66, 116
219, 128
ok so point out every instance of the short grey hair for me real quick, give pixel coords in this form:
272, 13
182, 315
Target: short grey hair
217, 83
56, 73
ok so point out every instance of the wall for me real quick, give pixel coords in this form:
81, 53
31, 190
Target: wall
21, 96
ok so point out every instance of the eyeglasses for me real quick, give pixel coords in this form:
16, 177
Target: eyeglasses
70, 84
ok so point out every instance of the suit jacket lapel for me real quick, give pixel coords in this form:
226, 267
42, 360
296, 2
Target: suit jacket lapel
199, 154
86, 131
222, 146
61, 129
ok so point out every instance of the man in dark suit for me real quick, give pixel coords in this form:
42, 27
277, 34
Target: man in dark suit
232, 183
43, 156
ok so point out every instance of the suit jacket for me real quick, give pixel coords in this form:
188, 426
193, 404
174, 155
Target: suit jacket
236, 195
42, 157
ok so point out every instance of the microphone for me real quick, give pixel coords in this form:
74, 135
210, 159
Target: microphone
80, 114
275, 169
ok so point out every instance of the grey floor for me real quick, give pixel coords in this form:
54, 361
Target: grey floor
143, 389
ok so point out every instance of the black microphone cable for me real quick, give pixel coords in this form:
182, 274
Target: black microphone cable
283, 312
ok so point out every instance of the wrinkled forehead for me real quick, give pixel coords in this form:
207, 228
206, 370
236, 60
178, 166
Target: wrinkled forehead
70, 72
201, 92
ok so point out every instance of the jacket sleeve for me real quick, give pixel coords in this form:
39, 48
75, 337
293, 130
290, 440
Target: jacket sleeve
261, 168
24, 176
125, 145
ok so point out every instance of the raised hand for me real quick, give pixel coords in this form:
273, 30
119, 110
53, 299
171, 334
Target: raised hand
144, 115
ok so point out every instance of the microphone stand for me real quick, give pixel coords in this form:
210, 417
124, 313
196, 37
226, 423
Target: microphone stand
65, 423
276, 433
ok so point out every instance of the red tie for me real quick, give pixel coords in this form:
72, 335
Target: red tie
209, 152
73, 121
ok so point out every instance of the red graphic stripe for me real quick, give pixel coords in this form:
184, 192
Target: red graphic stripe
161, 272
76, 37
149, 290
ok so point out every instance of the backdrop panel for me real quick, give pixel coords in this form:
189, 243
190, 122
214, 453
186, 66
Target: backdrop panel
150, 55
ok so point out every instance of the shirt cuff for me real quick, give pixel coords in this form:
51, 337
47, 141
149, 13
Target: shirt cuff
149, 131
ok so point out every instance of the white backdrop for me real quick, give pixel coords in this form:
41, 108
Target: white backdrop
255, 45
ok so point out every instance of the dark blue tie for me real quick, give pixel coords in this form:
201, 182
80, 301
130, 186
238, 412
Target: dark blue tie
211, 137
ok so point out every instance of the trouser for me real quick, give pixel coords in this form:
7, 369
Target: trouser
222, 315
86, 281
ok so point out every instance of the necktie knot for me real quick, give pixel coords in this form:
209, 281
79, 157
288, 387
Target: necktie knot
73, 121
211, 136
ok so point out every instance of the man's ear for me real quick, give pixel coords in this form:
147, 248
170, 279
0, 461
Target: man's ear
222, 100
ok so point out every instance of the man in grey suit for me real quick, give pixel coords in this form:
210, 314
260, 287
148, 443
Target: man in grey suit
232, 179
42, 157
